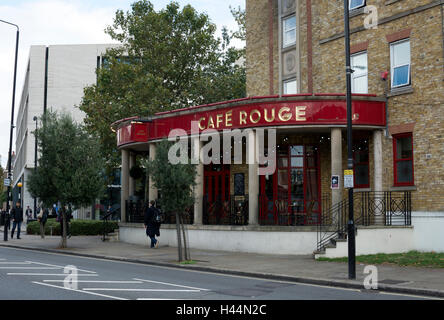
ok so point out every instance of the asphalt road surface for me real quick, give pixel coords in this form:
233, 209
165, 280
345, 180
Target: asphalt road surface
31, 275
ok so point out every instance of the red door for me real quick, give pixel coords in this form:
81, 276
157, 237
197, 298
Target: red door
217, 194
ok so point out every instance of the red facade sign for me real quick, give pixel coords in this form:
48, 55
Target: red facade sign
261, 114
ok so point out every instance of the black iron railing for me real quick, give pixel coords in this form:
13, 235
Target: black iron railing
282, 212
370, 209
233, 211
105, 219
135, 213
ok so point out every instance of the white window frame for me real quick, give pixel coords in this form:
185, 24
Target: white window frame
284, 32
288, 81
393, 66
355, 7
355, 75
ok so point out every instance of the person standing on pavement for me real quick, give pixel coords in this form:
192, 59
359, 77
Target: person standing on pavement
42, 218
17, 219
152, 227
28, 213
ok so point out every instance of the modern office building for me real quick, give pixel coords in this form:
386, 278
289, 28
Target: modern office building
295, 58
55, 78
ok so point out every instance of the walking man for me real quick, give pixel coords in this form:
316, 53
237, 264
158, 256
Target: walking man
151, 226
17, 219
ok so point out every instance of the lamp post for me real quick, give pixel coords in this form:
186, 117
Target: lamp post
5, 236
351, 223
35, 164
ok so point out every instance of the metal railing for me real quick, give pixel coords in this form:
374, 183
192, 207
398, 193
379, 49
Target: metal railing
135, 213
233, 211
370, 209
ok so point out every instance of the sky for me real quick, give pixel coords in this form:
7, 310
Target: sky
51, 22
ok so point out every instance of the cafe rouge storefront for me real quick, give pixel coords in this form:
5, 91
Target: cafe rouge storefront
310, 156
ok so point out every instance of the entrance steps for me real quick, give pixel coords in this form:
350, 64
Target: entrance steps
337, 248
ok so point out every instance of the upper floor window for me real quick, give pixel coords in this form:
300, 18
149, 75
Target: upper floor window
400, 63
355, 4
403, 159
290, 87
360, 74
289, 31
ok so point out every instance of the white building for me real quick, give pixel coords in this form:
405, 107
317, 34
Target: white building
55, 78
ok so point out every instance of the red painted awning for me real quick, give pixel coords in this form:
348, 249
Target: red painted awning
300, 110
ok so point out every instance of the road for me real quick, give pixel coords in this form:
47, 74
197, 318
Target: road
31, 275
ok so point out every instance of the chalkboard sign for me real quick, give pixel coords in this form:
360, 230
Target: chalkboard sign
239, 184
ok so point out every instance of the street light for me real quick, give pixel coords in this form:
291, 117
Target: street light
35, 164
351, 224
5, 235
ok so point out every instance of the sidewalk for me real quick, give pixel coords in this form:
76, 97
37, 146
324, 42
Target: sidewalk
304, 269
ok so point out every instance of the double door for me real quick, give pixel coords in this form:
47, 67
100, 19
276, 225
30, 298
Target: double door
291, 196
216, 193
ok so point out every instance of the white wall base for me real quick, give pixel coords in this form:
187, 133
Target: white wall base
428, 232
373, 241
289, 243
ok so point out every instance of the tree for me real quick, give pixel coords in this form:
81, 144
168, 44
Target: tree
69, 168
169, 59
173, 180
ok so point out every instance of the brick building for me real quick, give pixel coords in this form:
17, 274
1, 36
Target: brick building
295, 59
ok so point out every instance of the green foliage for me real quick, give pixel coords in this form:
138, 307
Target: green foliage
169, 59
411, 258
173, 179
77, 227
69, 168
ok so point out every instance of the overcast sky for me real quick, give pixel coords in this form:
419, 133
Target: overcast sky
50, 22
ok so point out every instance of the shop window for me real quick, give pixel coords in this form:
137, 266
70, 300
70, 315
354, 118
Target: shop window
400, 63
289, 31
403, 159
361, 165
360, 74
355, 4
290, 87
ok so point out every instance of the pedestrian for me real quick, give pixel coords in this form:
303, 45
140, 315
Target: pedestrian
42, 218
17, 219
28, 213
152, 227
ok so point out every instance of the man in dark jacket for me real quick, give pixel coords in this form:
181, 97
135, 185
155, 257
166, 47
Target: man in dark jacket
151, 226
17, 219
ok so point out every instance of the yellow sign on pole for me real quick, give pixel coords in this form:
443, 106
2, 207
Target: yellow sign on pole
348, 179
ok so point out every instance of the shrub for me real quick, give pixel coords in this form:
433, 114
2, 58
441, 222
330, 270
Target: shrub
77, 227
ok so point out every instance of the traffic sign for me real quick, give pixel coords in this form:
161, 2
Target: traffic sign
7, 182
348, 179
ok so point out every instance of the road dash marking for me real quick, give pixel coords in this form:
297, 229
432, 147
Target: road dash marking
30, 268
171, 284
140, 290
95, 281
54, 265
48, 274
81, 291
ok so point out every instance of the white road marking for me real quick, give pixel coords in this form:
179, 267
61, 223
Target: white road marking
171, 284
141, 290
54, 265
410, 295
95, 281
28, 268
15, 262
81, 291
48, 274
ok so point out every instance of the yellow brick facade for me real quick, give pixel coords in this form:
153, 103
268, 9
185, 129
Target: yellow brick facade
422, 104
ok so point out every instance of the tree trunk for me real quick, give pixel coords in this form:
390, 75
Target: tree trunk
179, 242
185, 247
64, 223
